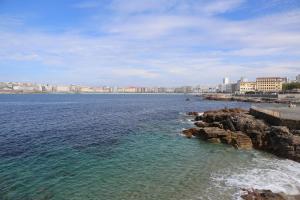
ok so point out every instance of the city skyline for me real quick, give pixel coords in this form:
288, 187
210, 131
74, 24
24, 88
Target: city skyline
146, 43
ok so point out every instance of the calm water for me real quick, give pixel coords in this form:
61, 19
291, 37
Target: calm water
123, 147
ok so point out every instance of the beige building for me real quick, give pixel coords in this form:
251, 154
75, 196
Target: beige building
247, 87
269, 84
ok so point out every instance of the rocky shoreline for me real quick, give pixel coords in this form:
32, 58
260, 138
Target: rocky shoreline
238, 128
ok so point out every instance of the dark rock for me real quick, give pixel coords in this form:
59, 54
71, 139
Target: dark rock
296, 132
193, 113
216, 124
283, 143
227, 124
201, 124
263, 195
191, 132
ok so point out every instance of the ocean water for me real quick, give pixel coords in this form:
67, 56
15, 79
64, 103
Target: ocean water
124, 147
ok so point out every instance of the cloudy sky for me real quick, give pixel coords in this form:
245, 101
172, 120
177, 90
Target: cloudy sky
148, 42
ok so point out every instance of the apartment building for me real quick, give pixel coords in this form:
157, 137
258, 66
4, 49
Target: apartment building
269, 84
245, 87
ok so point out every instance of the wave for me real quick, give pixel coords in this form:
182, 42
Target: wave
277, 175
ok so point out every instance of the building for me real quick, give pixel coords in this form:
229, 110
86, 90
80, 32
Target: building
298, 78
225, 80
245, 87
61, 88
269, 84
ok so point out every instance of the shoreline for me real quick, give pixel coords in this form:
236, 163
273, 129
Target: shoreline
242, 130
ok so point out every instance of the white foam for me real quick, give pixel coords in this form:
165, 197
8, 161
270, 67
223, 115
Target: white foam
264, 173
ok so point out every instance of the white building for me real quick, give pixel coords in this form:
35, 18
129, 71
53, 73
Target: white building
225, 80
298, 78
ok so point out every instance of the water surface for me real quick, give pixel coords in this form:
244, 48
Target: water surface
123, 147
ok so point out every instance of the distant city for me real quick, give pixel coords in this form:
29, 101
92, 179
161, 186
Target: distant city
242, 86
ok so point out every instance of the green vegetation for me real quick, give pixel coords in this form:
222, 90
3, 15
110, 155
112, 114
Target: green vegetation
290, 86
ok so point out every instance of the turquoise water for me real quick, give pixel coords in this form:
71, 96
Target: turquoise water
123, 147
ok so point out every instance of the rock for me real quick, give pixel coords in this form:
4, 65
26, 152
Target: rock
296, 132
263, 195
241, 141
199, 118
257, 138
227, 124
216, 124
190, 132
201, 124
247, 123
193, 113
283, 143
213, 132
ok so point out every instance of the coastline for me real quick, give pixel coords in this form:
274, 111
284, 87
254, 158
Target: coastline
243, 130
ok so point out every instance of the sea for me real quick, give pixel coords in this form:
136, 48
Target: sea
124, 147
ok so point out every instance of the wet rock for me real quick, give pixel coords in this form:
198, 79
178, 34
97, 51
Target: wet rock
263, 195
189, 133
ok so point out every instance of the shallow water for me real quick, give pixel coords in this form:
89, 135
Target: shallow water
124, 147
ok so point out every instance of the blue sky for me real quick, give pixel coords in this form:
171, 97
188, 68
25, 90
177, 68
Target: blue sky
148, 42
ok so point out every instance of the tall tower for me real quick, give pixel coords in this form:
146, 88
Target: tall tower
225, 80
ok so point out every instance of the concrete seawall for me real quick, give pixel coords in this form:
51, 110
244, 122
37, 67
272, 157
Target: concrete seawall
275, 118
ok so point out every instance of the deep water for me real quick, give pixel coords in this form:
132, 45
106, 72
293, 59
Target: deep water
130, 147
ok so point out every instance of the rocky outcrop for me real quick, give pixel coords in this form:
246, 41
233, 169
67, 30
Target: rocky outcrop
281, 142
218, 135
238, 128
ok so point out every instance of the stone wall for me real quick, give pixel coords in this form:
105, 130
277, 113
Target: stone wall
273, 118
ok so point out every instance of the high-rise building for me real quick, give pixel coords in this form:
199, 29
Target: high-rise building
298, 78
225, 80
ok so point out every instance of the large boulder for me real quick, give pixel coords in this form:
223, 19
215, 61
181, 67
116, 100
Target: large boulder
213, 132
246, 123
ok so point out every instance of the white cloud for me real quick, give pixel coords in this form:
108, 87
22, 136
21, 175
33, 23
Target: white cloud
166, 48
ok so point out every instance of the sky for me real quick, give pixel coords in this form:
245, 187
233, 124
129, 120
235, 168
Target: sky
148, 42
